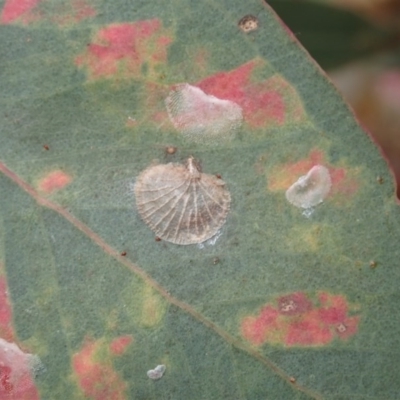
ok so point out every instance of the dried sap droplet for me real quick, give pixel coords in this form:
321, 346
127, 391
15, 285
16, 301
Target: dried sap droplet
181, 204
201, 117
311, 189
157, 372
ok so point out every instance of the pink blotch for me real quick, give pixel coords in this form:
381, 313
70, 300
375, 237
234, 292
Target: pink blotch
14, 9
293, 304
347, 328
252, 331
82, 10
54, 181
304, 323
261, 104
72, 12
256, 329
125, 47
97, 380
283, 176
308, 331
16, 381
342, 183
229, 85
119, 345
334, 310
6, 330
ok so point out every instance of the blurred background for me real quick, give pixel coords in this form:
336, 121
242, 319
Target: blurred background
357, 42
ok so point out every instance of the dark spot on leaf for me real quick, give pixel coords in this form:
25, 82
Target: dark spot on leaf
157, 239
46, 147
123, 254
248, 23
171, 150
373, 264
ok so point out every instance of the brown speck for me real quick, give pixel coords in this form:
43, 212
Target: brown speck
373, 264
46, 147
248, 23
157, 239
341, 328
123, 254
379, 179
216, 260
292, 379
171, 150
219, 176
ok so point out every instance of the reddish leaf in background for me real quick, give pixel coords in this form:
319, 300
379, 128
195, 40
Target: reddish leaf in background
97, 380
297, 321
283, 176
54, 181
269, 102
124, 48
16, 381
14, 9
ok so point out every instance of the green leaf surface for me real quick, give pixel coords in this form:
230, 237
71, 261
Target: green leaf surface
284, 303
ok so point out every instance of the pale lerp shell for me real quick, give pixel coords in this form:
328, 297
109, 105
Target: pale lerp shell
311, 189
201, 117
181, 204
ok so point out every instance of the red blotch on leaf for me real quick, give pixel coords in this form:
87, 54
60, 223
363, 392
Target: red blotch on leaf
269, 102
295, 303
54, 181
118, 346
16, 381
82, 10
297, 321
308, 331
255, 329
71, 12
124, 48
14, 9
97, 380
6, 330
64, 13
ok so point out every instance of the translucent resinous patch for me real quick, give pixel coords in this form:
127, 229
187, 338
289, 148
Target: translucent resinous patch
157, 372
201, 117
311, 189
181, 204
